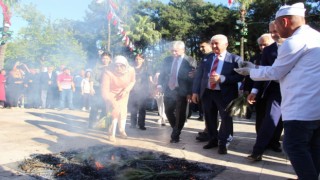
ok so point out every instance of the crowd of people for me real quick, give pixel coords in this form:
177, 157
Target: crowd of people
281, 100
39, 87
28, 86
295, 70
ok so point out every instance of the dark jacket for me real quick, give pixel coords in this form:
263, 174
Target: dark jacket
185, 82
229, 88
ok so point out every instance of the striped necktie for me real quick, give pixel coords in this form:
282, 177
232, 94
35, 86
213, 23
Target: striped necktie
213, 71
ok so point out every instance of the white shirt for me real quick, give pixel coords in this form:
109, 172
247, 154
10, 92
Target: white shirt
297, 68
85, 86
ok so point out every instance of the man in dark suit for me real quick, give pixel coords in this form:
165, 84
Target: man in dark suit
48, 83
206, 50
257, 86
248, 85
216, 84
175, 80
270, 128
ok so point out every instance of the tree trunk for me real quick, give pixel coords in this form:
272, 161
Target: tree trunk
2, 54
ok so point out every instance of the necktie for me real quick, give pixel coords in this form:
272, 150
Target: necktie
173, 75
213, 71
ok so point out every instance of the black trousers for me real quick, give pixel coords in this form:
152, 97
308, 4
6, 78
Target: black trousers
213, 102
271, 126
97, 104
175, 109
137, 107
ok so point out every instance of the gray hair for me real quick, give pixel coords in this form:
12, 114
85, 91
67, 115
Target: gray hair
221, 37
265, 35
178, 44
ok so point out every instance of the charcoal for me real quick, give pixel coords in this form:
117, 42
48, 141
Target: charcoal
113, 163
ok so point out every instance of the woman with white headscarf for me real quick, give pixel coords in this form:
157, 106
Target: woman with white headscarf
115, 88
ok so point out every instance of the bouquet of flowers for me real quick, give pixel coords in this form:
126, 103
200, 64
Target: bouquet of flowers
239, 107
104, 122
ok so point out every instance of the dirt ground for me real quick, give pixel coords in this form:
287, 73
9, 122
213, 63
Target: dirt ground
29, 131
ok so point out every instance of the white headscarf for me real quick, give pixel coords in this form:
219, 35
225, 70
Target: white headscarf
121, 60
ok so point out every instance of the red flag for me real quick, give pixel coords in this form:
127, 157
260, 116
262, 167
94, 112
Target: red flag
126, 43
230, 2
115, 22
109, 16
6, 15
113, 4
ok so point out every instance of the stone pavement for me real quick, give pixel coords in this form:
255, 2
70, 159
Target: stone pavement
28, 131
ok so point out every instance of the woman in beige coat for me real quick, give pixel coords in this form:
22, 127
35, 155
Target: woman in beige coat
117, 83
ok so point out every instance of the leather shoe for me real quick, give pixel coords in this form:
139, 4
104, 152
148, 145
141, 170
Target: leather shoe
222, 150
211, 144
202, 138
200, 118
255, 157
142, 128
202, 133
276, 148
174, 140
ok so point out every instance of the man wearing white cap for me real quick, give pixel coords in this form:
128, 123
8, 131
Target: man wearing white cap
297, 68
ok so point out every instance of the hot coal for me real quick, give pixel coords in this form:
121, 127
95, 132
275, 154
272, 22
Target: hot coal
112, 163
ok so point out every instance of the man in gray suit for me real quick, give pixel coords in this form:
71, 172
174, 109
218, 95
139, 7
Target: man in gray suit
176, 76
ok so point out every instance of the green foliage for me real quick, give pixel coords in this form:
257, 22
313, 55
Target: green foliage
190, 21
10, 3
142, 31
42, 42
150, 24
238, 107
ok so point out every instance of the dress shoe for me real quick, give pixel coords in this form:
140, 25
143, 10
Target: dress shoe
142, 128
174, 140
211, 144
255, 157
275, 148
202, 133
222, 149
200, 118
202, 138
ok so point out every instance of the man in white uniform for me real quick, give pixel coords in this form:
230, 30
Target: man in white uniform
297, 68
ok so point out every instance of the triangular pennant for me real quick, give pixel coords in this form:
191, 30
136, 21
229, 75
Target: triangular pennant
114, 4
127, 41
115, 22
109, 16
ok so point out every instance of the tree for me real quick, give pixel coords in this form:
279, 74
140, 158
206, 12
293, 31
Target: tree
43, 42
243, 6
142, 32
189, 21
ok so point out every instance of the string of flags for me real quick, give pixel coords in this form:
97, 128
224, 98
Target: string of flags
6, 34
118, 23
6, 14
